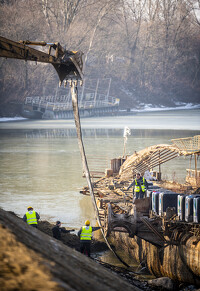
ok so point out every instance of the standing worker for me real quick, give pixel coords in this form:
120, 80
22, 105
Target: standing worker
141, 185
85, 235
56, 230
31, 217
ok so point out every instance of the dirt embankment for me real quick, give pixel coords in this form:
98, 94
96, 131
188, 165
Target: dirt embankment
21, 268
33, 260
70, 239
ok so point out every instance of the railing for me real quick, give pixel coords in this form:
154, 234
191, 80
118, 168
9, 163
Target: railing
64, 102
189, 144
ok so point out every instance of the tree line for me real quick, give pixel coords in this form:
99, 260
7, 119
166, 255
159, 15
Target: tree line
150, 48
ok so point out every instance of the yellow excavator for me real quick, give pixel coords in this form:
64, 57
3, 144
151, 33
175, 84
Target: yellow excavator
68, 64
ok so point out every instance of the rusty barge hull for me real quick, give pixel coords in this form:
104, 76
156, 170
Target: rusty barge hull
180, 263
177, 256
152, 229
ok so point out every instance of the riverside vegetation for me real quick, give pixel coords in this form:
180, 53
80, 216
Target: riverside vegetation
150, 49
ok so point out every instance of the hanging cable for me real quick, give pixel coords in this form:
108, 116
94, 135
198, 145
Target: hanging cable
74, 94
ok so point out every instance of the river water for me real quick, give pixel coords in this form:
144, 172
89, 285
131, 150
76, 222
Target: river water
40, 164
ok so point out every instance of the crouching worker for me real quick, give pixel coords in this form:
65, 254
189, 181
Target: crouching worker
31, 217
85, 235
56, 230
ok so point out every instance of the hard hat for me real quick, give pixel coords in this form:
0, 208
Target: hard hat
29, 207
87, 222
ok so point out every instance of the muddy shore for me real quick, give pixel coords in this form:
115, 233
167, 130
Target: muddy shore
31, 259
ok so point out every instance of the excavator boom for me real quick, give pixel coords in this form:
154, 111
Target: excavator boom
68, 64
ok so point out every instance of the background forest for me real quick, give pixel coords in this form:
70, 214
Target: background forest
150, 48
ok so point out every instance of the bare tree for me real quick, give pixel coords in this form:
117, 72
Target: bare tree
60, 14
151, 46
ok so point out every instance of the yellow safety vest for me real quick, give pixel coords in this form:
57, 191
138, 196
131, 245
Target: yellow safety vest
86, 233
137, 187
31, 217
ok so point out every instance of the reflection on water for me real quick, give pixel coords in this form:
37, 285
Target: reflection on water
47, 172
40, 162
94, 133
179, 120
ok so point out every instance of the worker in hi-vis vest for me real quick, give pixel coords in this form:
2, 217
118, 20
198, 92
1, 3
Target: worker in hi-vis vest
31, 217
85, 235
140, 186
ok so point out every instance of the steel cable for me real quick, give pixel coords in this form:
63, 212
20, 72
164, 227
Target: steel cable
74, 94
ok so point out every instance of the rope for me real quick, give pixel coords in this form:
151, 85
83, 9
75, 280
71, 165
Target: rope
74, 93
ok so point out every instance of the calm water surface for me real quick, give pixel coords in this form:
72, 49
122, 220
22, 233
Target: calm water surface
40, 163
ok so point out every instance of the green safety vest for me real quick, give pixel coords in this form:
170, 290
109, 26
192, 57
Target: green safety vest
86, 233
31, 217
137, 187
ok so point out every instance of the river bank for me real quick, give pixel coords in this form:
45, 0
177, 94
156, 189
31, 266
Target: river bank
32, 260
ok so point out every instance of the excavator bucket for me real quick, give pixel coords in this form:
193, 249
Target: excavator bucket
70, 67
68, 64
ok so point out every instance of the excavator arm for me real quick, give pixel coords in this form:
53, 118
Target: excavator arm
68, 64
